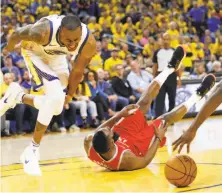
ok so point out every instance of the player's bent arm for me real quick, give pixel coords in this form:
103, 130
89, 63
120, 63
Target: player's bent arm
78, 66
133, 162
110, 123
214, 100
38, 33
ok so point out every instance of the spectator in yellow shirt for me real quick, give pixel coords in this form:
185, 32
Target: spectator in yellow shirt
217, 49
128, 24
150, 48
105, 16
21, 4
112, 62
43, 9
96, 62
156, 6
118, 35
55, 10
196, 42
116, 24
29, 16
174, 34
93, 26
124, 51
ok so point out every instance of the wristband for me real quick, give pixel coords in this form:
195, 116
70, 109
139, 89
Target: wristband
158, 139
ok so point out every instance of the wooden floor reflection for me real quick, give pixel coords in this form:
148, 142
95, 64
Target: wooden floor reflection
66, 169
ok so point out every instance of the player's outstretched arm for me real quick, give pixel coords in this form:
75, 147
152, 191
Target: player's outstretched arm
133, 162
38, 32
79, 65
125, 112
214, 100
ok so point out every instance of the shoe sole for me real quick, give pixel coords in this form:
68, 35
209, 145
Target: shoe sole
179, 65
212, 84
10, 96
214, 79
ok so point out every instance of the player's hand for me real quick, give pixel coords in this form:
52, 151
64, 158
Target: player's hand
128, 110
186, 138
68, 99
161, 130
133, 98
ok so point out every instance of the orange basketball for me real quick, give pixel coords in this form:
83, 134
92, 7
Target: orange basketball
180, 170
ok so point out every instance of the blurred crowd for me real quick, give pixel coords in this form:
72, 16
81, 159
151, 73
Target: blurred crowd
128, 33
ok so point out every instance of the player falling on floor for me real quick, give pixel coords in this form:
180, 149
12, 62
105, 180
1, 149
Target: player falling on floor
214, 100
124, 142
45, 45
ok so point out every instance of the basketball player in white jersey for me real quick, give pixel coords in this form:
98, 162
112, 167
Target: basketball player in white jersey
45, 45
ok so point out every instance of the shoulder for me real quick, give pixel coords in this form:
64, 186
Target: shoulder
87, 143
126, 162
89, 49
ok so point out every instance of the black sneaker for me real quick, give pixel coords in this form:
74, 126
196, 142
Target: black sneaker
177, 57
206, 84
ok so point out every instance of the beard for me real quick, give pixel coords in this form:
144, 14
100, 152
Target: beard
115, 136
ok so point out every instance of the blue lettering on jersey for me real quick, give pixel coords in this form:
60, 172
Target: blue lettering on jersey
55, 52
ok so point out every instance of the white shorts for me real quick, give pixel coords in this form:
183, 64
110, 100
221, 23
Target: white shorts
51, 69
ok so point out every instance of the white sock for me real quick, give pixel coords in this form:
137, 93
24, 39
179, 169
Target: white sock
34, 145
161, 78
191, 101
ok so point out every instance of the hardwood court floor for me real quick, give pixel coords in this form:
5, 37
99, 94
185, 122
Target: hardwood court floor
66, 168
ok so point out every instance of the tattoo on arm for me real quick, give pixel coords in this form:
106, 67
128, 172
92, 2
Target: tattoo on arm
38, 32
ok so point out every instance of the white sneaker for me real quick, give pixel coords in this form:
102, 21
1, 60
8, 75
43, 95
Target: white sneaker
30, 159
9, 99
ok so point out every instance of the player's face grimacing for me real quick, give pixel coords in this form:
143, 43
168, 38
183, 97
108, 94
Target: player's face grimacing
70, 38
110, 134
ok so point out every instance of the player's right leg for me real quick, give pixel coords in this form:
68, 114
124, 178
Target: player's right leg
48, 105
151, 92
178, 112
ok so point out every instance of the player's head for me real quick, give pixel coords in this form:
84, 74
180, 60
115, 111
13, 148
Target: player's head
70, 32
104, 139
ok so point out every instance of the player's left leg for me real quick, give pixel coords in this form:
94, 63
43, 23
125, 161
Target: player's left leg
153, 89
178, 112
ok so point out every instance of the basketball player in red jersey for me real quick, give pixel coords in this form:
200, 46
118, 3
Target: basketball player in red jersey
214, 100
126, 141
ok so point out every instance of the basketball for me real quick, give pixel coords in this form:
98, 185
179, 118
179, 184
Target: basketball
180, 170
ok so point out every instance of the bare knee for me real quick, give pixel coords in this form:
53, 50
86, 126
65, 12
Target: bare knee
175, 115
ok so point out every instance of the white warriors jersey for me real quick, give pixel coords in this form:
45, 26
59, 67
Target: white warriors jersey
53, 49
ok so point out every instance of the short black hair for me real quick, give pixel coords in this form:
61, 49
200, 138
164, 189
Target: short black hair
70, 22
100, 142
